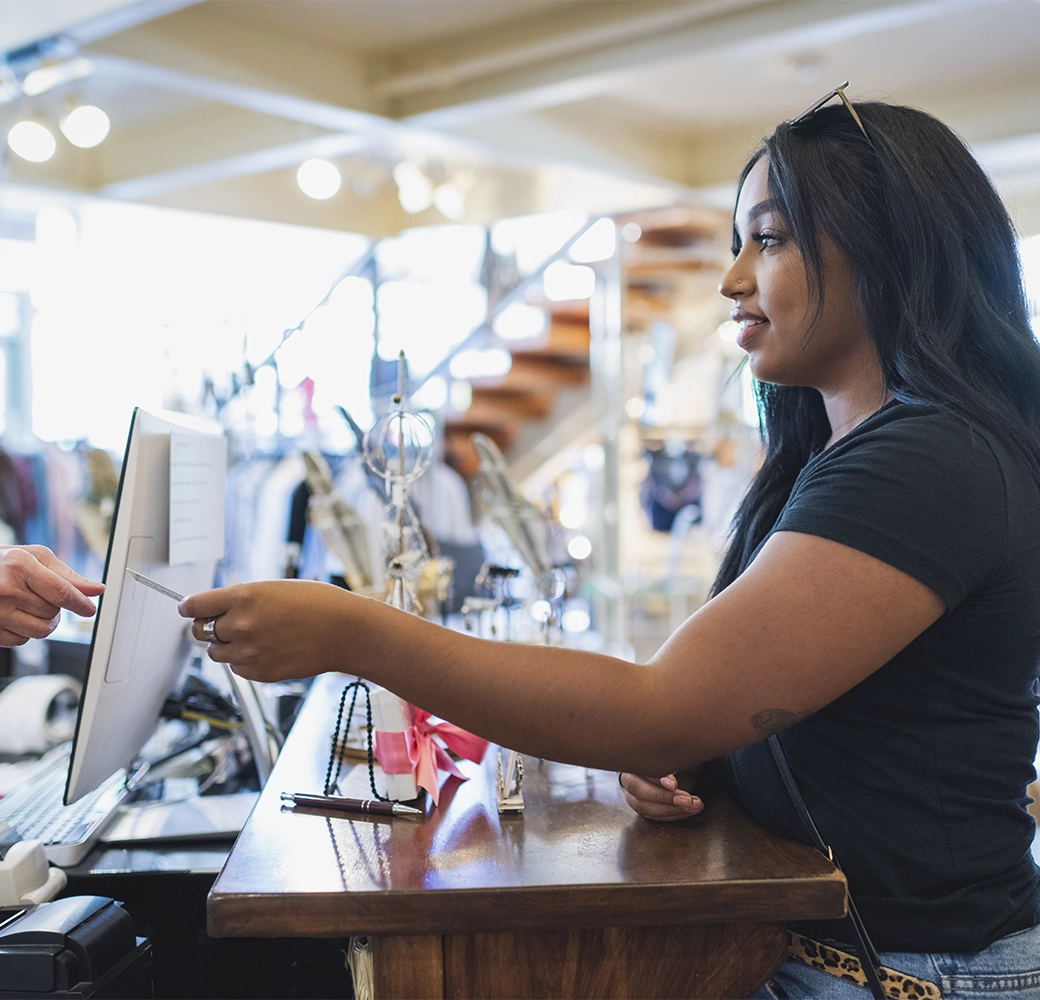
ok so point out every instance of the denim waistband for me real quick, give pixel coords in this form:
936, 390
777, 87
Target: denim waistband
1008, 968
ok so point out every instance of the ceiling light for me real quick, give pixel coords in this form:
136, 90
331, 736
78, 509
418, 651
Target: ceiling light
449, 201
31, 141
318, 179
414, 190
86, 126
47, 77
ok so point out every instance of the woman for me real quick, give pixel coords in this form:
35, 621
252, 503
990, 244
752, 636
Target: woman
880, 599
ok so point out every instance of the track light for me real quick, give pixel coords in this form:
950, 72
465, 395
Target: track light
31, 141
318, 179
39, 81
85, 126
414, 190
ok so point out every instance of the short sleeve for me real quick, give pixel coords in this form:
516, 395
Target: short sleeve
921, 490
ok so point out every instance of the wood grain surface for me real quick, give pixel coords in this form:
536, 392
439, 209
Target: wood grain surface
576, 858
409, 967
693, 961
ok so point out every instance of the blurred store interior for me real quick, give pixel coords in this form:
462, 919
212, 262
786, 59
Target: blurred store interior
250, 208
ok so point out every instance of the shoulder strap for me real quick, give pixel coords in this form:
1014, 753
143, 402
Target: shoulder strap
868, 956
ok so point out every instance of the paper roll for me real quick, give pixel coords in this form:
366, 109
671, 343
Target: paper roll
37, 712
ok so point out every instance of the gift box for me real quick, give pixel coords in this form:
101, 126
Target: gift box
412, 747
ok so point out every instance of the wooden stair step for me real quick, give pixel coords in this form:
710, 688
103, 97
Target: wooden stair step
536, 372
573, 311
563, 340
490, 405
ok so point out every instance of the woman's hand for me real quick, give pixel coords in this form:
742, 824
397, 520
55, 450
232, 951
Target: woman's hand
659, 799
276, 629
34, 586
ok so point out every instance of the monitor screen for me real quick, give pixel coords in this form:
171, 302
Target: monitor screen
168, 525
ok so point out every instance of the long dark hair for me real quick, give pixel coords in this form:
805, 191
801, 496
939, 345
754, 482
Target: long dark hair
937, 273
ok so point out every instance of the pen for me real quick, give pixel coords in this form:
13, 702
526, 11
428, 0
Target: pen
340, 804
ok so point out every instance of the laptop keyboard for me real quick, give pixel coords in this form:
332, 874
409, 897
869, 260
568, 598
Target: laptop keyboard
35, 809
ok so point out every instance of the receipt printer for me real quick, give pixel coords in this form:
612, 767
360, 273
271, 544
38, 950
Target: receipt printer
82, 946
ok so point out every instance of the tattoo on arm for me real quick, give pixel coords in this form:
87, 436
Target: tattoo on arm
776, 720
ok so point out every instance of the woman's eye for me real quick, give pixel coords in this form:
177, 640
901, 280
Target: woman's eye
766, 239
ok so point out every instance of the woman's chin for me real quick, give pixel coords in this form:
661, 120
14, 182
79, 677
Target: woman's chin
767, 367
760, 368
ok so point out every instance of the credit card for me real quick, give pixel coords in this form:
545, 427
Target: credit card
157, 587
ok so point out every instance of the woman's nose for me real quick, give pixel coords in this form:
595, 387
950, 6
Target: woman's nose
734, 284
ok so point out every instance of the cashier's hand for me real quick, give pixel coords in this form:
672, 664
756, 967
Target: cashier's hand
34, 586
272, 630
659, 798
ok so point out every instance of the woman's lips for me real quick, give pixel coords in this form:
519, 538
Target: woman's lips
748, 323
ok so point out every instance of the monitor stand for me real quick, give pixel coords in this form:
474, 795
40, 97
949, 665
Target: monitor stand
202, 817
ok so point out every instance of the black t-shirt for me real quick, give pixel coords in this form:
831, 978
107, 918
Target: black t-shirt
917, 776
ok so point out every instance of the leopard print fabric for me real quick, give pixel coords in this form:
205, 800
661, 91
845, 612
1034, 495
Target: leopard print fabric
835, 962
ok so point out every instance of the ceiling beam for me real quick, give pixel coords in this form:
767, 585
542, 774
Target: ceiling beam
246, 64
352, 130
260, 161
556, 138
195, 53
559, 33
746, 28
200, 55
190, 54
250, 98
23, 22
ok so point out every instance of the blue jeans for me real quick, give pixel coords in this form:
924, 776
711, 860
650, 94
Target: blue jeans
1009, 967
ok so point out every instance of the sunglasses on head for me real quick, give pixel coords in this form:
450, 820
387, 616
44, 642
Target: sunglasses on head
836, 92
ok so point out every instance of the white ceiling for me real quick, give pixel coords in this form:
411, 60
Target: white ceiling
909, 56
367, 27
215, 103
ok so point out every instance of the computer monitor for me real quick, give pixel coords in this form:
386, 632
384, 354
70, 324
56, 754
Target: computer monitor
168, 525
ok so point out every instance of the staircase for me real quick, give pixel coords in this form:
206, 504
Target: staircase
548, 381
543, 403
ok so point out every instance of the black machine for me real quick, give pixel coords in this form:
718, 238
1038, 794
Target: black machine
83, 946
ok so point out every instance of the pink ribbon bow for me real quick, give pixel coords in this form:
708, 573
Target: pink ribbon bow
416, 751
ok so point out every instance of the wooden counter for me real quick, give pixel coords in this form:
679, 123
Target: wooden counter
576, 897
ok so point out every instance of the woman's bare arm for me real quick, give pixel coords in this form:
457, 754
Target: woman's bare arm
808, 620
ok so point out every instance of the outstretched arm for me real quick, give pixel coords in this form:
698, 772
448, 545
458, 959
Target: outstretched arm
808, 620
